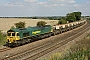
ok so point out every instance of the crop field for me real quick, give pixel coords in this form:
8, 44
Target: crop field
6, 23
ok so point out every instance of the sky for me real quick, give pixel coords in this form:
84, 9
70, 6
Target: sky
24, 8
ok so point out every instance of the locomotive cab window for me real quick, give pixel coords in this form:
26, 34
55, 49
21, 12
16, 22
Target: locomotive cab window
9, 34
13, 34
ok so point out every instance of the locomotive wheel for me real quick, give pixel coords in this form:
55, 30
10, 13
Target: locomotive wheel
54, 34
49, 34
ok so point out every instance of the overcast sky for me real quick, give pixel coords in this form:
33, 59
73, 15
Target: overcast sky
43, 7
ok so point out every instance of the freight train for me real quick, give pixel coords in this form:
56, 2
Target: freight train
17, 37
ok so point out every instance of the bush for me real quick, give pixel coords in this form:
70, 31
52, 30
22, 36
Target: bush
88, 18
20, 25
12, 27
41, 23
2, 39
62, 21
1, 36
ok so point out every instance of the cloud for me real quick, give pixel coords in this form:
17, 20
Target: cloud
71, 1
41, 2
42, 8
30, 0
62, 1
54, 5
62, 5
57, 0
13, 5
76, 5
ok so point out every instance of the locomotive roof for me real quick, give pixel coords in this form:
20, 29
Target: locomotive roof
27, 29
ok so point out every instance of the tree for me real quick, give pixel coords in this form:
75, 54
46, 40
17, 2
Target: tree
41, 23
77, 15
70, 17
34, 17
20, 24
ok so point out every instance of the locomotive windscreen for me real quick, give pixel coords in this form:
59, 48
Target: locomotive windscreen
11, 34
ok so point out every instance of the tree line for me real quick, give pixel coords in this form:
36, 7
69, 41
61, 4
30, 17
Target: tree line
70, 17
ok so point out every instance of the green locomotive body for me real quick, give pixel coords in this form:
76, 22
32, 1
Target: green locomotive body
17, 37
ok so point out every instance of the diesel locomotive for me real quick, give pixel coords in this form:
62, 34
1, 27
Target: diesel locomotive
17, 37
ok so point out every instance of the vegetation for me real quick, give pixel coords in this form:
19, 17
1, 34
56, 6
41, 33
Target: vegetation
74, 16
70, 17
38, 17
20, 25
62, 21
88, 18
79, 55
2, 39
77, 15
12, 27
79, 51
41, 23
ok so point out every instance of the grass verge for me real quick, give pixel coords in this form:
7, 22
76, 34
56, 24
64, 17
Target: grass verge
2, 39
79, 51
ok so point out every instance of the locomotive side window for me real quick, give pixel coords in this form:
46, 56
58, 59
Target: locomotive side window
17, 34
25, 34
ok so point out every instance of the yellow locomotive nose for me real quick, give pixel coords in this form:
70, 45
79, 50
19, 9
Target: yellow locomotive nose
11, 39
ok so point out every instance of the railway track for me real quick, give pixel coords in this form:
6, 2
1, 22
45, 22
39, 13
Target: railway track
43, 49
4, 49
53, 47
